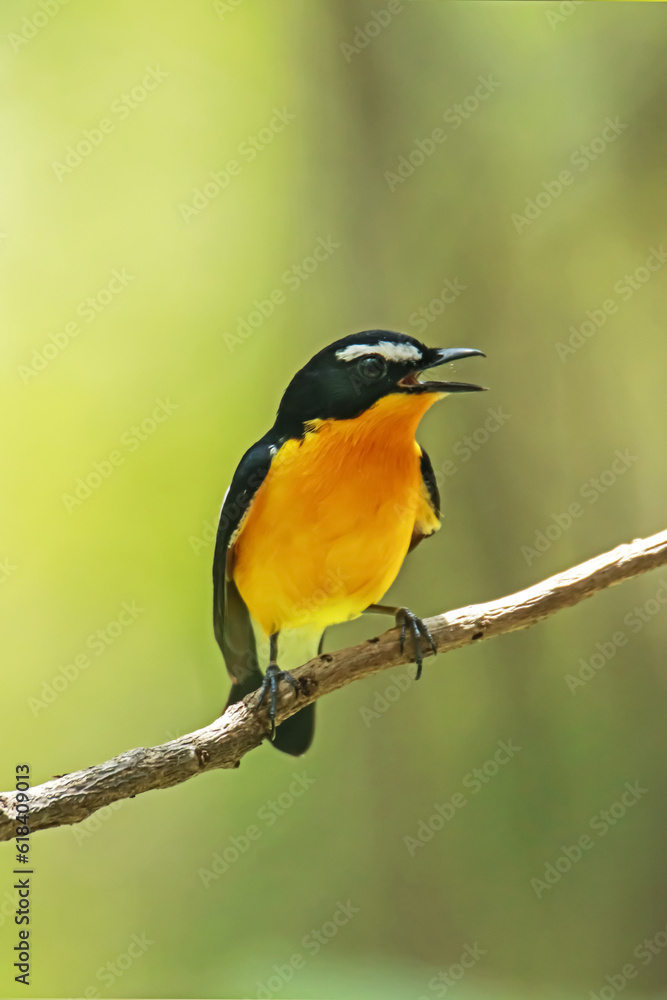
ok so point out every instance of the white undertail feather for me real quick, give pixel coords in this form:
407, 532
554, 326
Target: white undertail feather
295, 646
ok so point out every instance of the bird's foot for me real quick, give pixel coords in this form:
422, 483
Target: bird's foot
274, 675
406, 619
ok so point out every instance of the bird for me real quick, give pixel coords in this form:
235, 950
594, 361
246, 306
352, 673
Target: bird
322, 511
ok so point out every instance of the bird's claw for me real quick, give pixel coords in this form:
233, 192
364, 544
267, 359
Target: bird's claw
418, 631
272, 679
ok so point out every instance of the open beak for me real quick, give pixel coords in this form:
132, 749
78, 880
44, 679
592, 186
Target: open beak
442, 356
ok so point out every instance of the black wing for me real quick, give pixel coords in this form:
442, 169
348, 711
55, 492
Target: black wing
427, 519
428, 475
231, 618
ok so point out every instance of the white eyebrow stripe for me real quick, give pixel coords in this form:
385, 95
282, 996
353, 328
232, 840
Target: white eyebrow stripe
392, 352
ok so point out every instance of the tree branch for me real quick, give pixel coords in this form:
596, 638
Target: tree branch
73, 797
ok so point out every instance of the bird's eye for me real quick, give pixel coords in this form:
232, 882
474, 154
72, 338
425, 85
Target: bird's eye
372, 368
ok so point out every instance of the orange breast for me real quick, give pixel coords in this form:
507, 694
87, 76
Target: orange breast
331, 524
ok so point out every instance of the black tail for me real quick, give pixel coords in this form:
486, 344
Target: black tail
294, 735
239, 691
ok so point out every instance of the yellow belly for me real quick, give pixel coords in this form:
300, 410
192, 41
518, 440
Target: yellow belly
331, 524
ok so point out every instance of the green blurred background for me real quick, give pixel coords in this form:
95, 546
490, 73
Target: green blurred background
365, 84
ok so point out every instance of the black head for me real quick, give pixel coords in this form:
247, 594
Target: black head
350, 375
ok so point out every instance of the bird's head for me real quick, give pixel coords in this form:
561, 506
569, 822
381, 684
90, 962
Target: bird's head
352, 374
